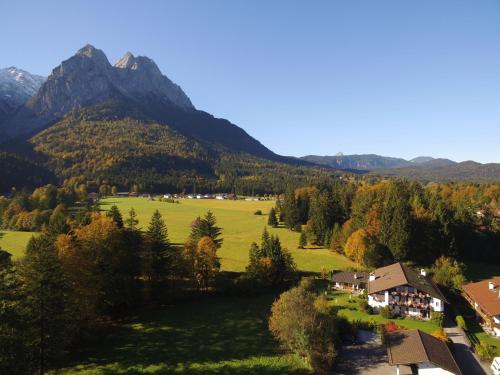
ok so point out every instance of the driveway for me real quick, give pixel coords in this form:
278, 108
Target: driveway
368, 357
466, 359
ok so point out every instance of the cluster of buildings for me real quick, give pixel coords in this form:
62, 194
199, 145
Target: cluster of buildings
407, 292
403, 290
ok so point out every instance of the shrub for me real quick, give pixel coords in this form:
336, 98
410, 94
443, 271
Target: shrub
391, 326
365, 307
258, 212
485, 351
441, 335
307, 283
385, 312
437, 318
461, 322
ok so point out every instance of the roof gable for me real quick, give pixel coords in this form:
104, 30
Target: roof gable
415, 346
397, 274
488, 299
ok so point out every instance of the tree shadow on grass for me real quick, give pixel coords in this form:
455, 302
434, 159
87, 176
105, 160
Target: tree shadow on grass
210, 333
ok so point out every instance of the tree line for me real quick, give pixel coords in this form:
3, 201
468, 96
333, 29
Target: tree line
396, 220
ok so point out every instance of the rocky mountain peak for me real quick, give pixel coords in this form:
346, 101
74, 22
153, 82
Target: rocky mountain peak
16, 87
126, 62
91, 52
87, 78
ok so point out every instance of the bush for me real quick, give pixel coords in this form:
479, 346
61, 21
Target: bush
258, 212
385, 312
485, 351
461, 322
441, 335
437, 318
365, 307
307, 283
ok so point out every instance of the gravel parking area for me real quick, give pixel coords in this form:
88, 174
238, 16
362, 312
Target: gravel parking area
367, 357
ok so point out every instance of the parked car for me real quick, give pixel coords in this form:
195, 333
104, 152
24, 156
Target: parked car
495, 366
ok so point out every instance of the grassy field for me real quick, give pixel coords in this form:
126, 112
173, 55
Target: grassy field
240, 228
215, 336
15, 242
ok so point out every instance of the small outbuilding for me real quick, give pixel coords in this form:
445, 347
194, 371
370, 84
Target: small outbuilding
350, 280
425, 354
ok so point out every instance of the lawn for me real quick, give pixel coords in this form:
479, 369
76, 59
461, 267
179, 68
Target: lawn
347, 306
216, 335
15, 242
240, 228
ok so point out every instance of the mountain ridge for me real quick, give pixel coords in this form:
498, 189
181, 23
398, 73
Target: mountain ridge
90, 120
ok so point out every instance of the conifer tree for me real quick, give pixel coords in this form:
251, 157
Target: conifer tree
272, 219
302, 240
290, 210
45, 291
116, 215
396, 222
206, 226
157, 252
132, 221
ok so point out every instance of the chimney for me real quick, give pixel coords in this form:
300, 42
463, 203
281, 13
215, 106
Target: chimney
422, 272
355, 276
491, 286
371, 277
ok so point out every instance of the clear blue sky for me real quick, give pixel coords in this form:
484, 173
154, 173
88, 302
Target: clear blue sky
397, 78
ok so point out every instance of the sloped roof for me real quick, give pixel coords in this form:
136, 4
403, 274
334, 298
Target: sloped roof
398, 274
348, 277
414, 346
488, 299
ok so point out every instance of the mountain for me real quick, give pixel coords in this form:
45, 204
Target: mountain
423, 168
357, 162
421, 159
128, 124
16, 87
87, 78
443, 170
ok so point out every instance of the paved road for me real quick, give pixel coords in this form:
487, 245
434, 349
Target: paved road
367, 358
467, 360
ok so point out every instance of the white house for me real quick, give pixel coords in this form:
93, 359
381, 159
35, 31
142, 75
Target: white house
405, 291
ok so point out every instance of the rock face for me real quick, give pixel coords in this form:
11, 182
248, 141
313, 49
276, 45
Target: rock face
88, 78
16, 87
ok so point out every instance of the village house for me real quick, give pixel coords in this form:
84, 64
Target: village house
423, 353
349, 280
484, 297
405, 291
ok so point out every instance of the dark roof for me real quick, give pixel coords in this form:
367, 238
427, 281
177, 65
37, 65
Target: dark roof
398, 274
488, 299
414, 346
348, 277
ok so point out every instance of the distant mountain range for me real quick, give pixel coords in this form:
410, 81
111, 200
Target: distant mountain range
423, 167
369, 162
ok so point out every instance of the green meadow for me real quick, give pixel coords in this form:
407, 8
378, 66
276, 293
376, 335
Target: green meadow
215, 335
240, 228
15, 242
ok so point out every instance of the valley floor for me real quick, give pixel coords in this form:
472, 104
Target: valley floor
215, 335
